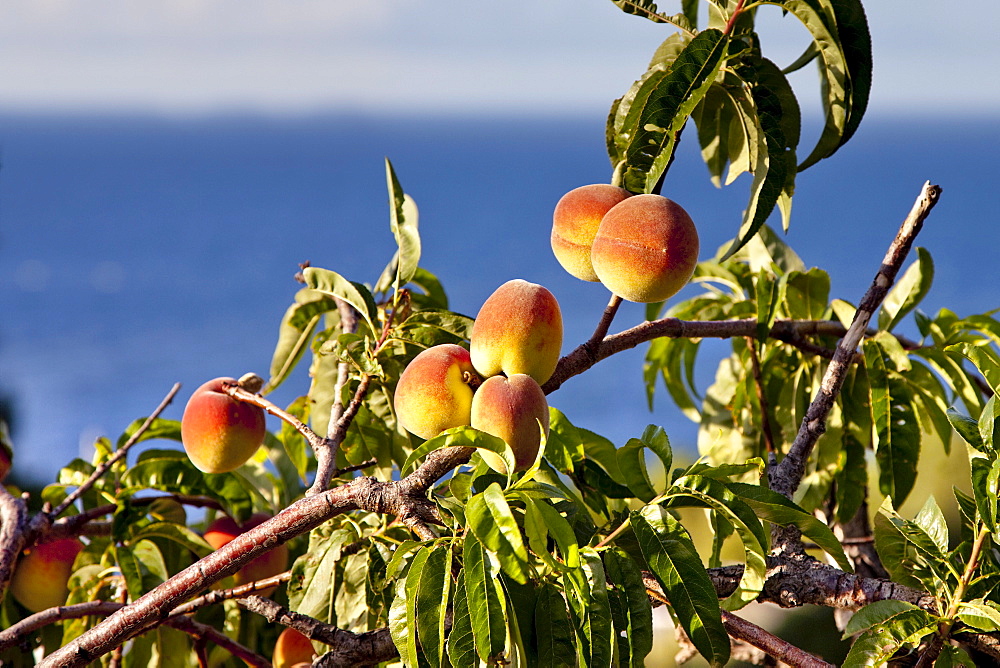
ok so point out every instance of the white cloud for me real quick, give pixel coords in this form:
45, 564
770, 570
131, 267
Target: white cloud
307, 55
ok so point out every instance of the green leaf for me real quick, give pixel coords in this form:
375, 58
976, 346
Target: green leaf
967, 428
158, 428
493, 523
296, 328
984, 359
985, 476
671, 556
461, 642
807, 294
644, 8
715, 495
631, 612
773, 160
128, 565
172, 472
485, 601
599, 630
432, 596
333, 284
877, 645
403, 222
176, 533
908, 291
980, 614
545, 517
314, 575
897, 430
462, 437
775, 508
553, 631
874, 614
844, 66
400, 628
659, 107
632, 463
932, 521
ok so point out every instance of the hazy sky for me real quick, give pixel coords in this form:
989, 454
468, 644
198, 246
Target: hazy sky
301, 56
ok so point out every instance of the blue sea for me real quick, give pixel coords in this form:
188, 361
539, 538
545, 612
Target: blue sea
139, 251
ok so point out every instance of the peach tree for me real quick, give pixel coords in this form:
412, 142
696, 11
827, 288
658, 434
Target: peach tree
462, 546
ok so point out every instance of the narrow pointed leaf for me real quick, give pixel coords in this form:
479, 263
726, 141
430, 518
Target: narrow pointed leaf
403, 222
659, 108
491, 520
908, 291
671, 556
461, 642
432, 596
333, 284
485, 600
553, 631
631, 613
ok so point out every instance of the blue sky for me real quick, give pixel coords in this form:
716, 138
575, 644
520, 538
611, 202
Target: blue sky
516, 56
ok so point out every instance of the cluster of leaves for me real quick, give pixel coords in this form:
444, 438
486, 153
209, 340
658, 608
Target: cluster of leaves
745, 110
964, 579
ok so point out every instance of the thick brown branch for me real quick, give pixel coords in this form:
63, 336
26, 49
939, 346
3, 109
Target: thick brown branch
785, 478
406, 499
326, 460
219, 595
14, 633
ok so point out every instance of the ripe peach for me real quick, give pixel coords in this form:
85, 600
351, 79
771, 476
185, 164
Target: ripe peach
511, 408
41, 576
646, 248
574, 225
220, 433
518, 330
225, 529
292, 648
434, 391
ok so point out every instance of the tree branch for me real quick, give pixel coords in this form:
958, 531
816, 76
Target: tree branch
346, 648
772, 645
787, 475
406, 499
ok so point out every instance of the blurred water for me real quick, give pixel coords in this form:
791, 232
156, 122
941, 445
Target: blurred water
139, 251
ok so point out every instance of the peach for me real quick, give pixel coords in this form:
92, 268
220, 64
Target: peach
293, 648
511, 408
646, 248
434, 391
225, 529
574, 225
219, 432
41, 576
519, 329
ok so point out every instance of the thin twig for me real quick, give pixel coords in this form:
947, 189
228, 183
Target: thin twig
15, 632
118, 455
765, 409
785, 478
326, 466
772, 645
219, 595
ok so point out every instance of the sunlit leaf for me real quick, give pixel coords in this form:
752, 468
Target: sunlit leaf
631, 613
485, 600
671, 556
553, 631
654, 112
908, 291
493, 523
334, 285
